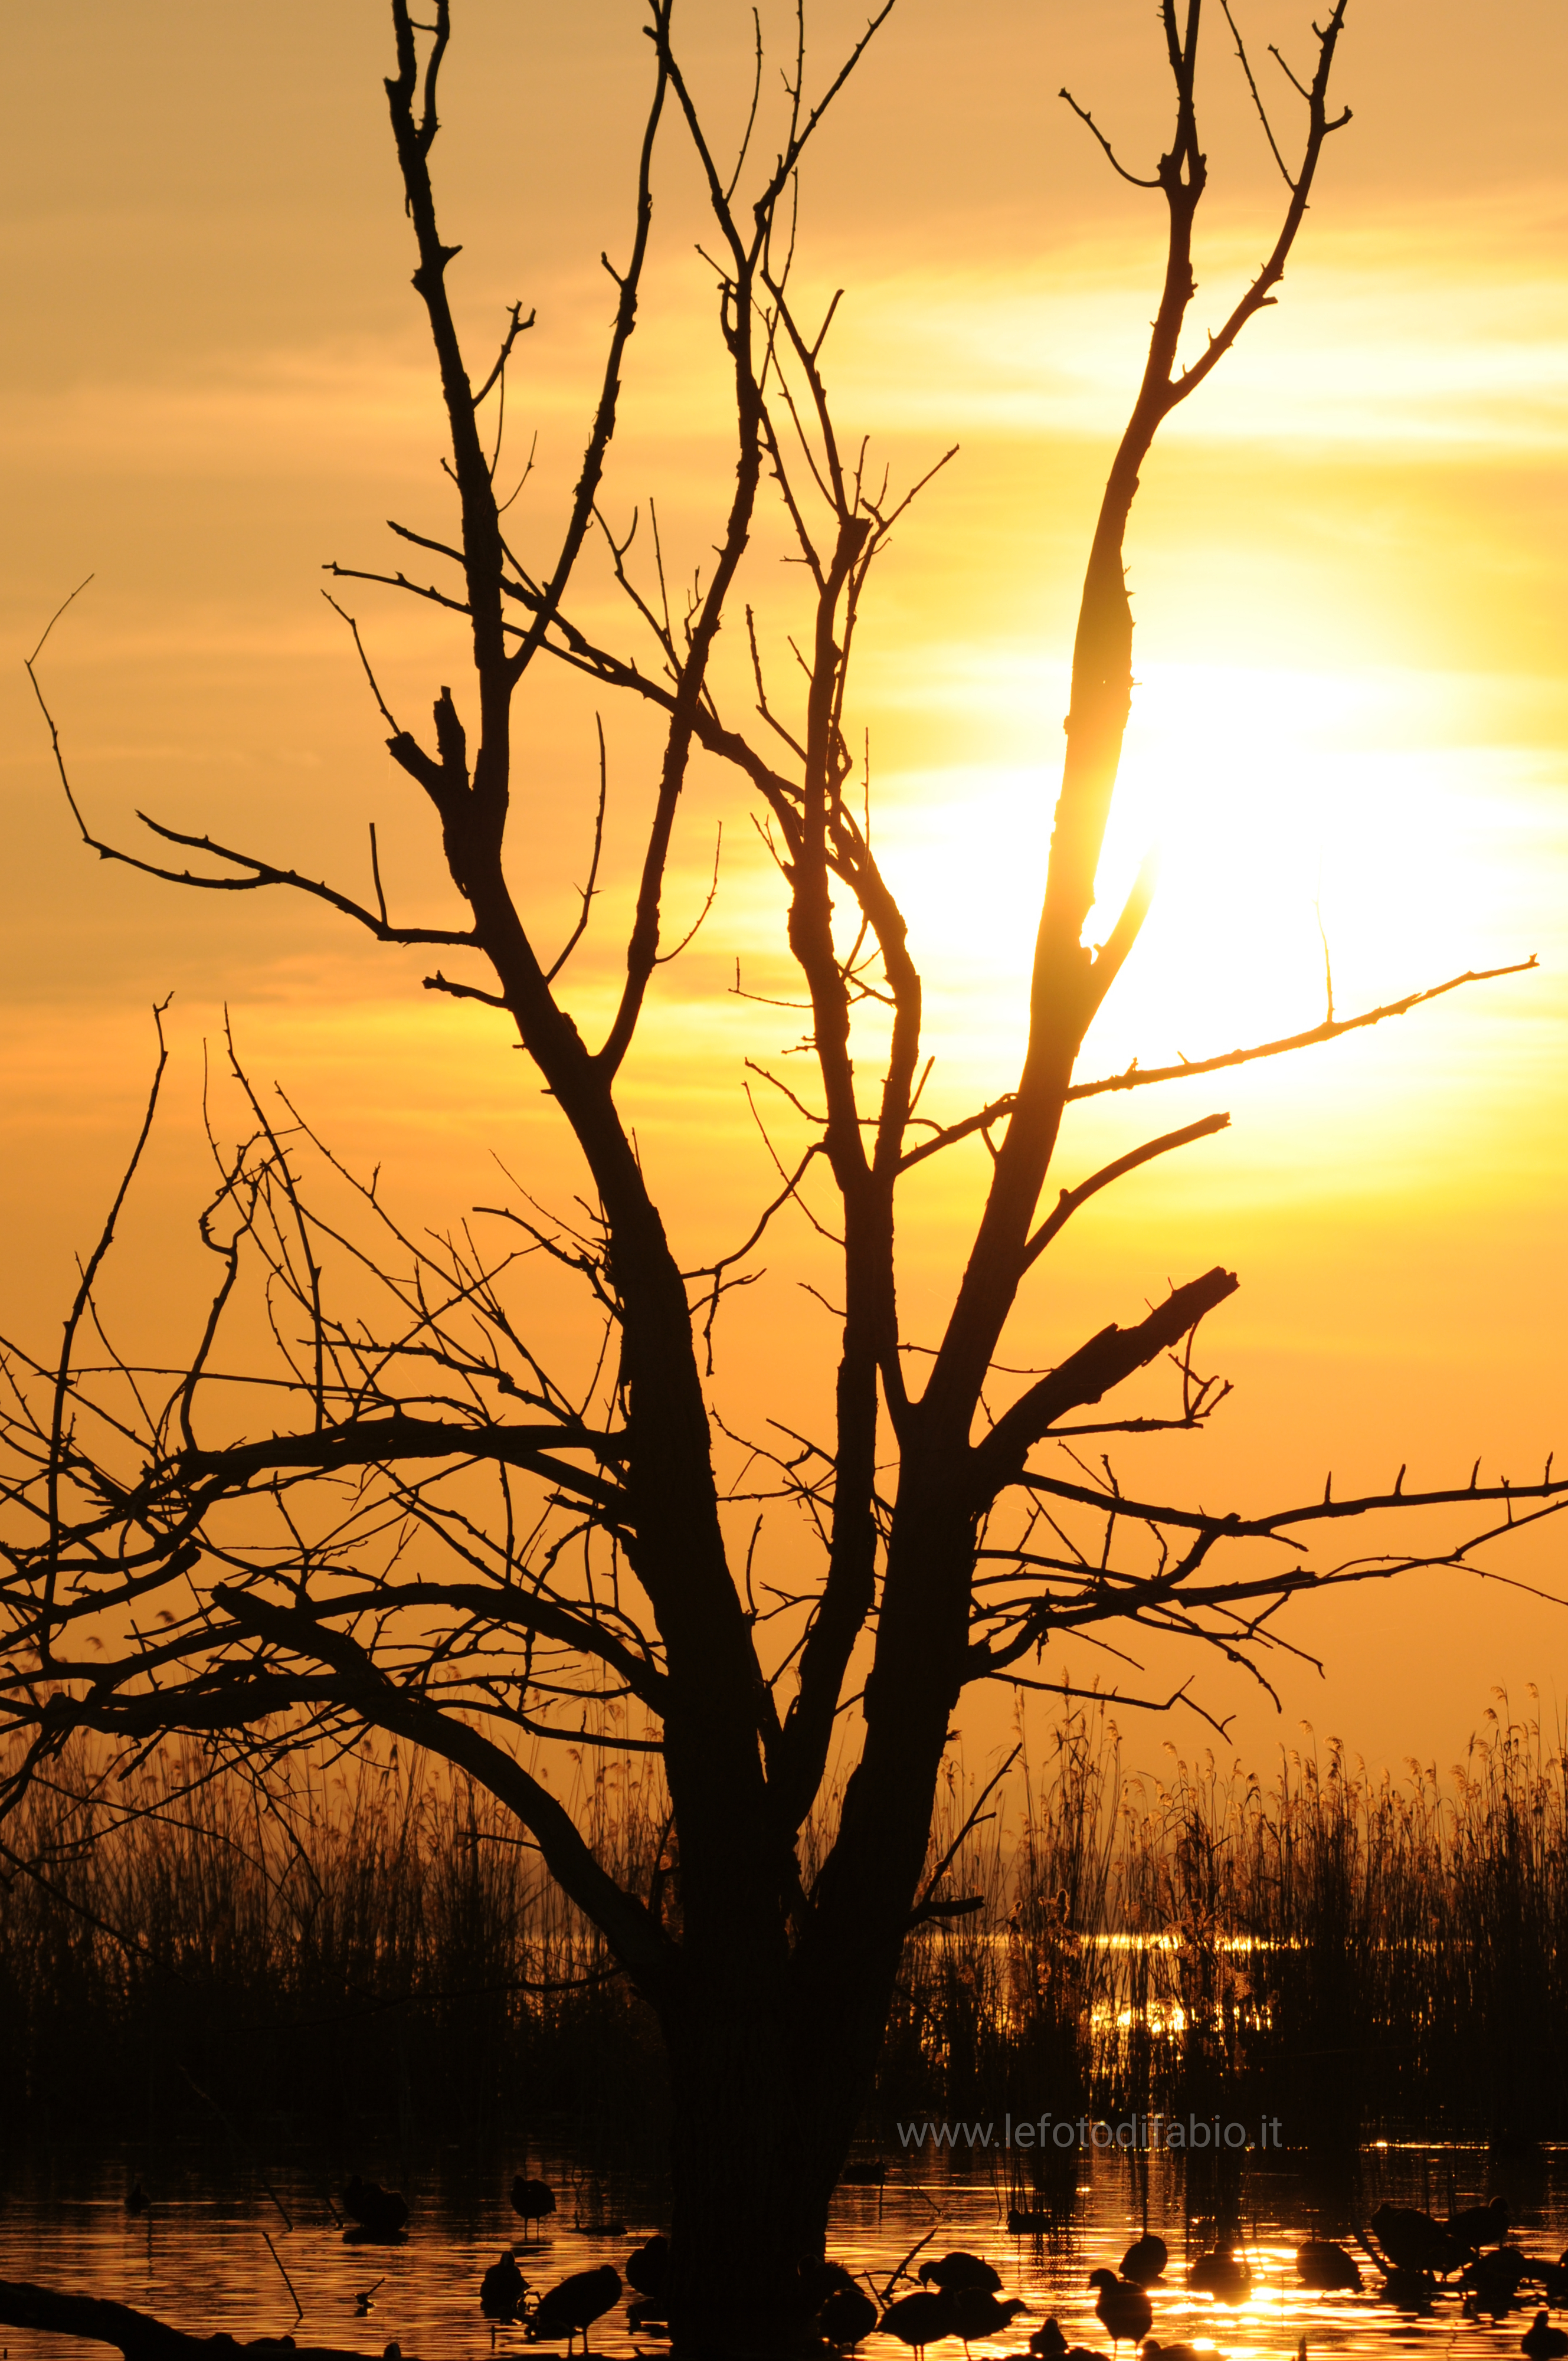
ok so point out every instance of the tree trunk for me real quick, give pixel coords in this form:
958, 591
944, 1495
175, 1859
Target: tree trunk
765, 2103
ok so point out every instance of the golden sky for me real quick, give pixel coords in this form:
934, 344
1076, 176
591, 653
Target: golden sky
1349, 576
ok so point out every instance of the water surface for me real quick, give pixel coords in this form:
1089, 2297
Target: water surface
200, 2258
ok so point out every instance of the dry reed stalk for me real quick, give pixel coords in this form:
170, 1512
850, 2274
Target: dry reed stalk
348, 1942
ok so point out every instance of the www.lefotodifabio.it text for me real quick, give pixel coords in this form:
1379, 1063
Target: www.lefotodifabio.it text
1141, 2132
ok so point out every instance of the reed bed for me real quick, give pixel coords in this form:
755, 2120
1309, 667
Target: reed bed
1357, 1955
334, 1944
352, 1948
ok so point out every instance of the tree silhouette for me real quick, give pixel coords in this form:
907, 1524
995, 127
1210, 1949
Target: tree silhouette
405, 1520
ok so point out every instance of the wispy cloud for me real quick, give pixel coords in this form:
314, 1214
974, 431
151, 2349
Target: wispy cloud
1401, 334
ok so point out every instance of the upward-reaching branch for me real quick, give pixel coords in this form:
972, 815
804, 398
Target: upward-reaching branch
1068, 982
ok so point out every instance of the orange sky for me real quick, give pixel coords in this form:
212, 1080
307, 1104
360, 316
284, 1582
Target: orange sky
1348, 565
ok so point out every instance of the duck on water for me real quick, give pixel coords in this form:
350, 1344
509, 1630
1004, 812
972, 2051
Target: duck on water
531, 2201
502, 2288
1049, 2343
960, 2270
1145, 2260
1125, 2310
963, 2311
571, 2307
377, 2216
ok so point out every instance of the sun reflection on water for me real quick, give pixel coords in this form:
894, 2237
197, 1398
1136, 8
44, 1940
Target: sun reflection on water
200, 2258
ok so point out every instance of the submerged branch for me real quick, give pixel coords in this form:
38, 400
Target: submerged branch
137, 2334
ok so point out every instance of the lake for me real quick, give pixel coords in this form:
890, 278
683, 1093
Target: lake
200, 2257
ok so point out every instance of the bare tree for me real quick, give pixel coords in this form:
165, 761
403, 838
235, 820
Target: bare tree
426, 1531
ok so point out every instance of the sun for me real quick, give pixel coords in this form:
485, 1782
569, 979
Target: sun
1321, 835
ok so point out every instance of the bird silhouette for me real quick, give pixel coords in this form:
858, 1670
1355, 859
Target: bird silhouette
570, 2308
647, 2266
1126, 2313
1543, 2342
1145, 2260
378, 2214
1155, 2351
137, 2199
502, 2288
1492, 2282
531, 2201
845, 2316
1480, 2225
920, 2320
1027, 2221
1408, 2290
818, 2279
1049, 2343
1414, 2241
1553, 2279
1320, 2264
960, 2270
975, 2311
1223, 2274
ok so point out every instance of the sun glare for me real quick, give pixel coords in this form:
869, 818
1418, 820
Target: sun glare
1314, 831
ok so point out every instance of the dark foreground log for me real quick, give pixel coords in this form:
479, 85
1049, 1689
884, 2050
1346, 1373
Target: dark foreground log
140, 2338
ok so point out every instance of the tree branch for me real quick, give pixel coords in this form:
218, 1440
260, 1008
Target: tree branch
137, 2334
1070, 1200
647, 1952
1109, 1357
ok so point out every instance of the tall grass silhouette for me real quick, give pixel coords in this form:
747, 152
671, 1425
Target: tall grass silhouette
336, 1942
348, 1946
